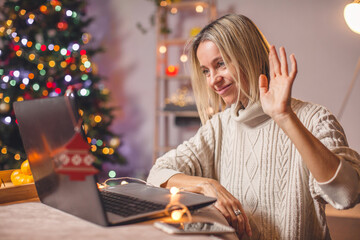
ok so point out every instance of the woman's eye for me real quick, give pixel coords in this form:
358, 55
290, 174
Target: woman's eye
221, 64
205, 72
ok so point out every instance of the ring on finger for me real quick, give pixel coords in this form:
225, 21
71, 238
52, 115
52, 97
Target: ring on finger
237, 212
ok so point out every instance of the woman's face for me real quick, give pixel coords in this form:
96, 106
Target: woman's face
218, 76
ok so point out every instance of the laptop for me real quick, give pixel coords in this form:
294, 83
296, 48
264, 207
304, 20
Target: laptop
46, 126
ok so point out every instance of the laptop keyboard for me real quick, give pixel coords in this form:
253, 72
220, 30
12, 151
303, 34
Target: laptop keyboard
126, 206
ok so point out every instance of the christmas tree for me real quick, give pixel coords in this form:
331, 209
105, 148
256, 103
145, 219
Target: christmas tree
43, 53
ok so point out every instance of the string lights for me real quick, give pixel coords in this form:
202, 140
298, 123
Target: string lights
43, 53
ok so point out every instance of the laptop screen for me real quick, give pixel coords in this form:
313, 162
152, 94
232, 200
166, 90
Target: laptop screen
46, 126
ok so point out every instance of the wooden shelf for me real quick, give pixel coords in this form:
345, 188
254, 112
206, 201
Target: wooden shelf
164, 85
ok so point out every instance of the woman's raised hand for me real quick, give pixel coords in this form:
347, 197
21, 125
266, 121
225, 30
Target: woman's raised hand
227, 204
275, 95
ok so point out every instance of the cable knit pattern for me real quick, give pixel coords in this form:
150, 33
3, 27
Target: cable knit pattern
256, 162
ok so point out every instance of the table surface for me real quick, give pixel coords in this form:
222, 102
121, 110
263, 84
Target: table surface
34, 220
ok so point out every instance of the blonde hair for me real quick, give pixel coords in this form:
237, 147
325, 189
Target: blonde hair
243, 48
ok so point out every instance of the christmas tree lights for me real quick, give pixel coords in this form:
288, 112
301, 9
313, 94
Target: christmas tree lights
43, 53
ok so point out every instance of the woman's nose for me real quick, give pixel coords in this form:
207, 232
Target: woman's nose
215, 78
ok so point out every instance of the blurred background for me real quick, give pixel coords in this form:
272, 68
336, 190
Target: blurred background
326, 49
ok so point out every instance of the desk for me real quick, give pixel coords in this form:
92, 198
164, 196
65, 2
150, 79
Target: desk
37, 221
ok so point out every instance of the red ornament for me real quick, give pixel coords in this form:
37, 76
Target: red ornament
75, 160
172, 70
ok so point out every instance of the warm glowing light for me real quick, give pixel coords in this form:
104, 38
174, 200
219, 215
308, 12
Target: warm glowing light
9, 22
7, 99
105, 151
124, 182
199, 9
93, 148
172, 70
52, 63
183, 58
40, 66
43, 9
173, 10
56, 48
97, 118
45, 93
4, 150
22, 12
22, 87
176, 215
162, 49
17, 157
17, 39
31, 16
73, 67
31, 76
163, 3
352, 16
174, 190
18, 53
31, 56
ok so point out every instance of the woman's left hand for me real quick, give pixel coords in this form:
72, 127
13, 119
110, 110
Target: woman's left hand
276, 97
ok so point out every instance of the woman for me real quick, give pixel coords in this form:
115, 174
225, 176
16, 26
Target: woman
272, 161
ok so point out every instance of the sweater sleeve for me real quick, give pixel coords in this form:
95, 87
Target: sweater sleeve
342, 191
194, 157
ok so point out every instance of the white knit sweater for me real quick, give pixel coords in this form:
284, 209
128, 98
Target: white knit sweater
255, 161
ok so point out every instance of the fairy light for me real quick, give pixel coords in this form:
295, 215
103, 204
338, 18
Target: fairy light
105, 151
199, 9
183, 58
93, 148
31, 56
18, 53
174, 190
176, 215
36, 87
25, 81
163, 3
40, 66
52, 63
4, 150
6, 79
7, 99
17, 157
75, 47
174, 10
63, 51
16, 73
97, 118
162, 49
68, 78
124, 182
7, 120
112, 174
69, 13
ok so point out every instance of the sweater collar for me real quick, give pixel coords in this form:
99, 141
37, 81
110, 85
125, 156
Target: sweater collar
252, 116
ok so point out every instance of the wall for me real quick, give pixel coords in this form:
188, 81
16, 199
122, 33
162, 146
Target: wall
315, 31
